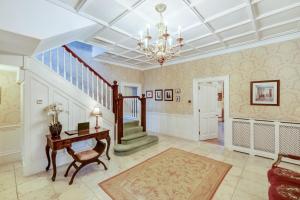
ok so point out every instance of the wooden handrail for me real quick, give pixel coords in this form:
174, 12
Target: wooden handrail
85, 64
131, 97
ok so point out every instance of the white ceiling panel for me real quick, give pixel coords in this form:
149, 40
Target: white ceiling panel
209, 48
104, 10
236, 31
130, 43
267, 6
203, 41
110, 34
280, 30
230, 19
183, 17
208, 8
118, 50
195, 32
132, 54
241, 40
132, 23
280, 17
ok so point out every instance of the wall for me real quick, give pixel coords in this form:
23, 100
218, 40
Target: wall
276, 61
10, 122
9, 99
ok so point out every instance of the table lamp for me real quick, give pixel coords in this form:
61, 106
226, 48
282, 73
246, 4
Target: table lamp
96, 112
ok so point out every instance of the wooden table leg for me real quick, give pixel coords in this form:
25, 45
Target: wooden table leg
108, 145
53, 158
48, 156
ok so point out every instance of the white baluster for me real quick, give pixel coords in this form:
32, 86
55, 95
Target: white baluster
92, 85
97, 88
57, 60
110, 98
87, 81
102, 92
77, 74
50, 59
65, 71
82, 86
106, 96
71, 68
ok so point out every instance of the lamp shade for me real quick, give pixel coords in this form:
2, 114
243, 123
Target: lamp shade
97, 111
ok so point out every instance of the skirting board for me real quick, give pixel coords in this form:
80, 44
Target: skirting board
10, 157
177, 125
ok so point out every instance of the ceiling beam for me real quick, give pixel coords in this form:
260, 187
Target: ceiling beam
279, 10
253, 18
226, 12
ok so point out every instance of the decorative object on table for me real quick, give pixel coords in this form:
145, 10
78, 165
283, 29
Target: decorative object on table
204, 176
96, 112
55, 126
178, 91
161, 48
168, 94
266, 93
158, 95
83, 127
177, 98
149, 94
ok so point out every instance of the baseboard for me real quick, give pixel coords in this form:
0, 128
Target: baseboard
10, 157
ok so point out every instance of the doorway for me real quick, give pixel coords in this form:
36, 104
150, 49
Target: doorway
131, 105
211, 109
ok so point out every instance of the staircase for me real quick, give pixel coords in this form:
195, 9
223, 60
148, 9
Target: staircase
131, 134
134, 139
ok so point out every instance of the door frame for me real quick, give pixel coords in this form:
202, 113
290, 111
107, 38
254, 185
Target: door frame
123, 84
225, 79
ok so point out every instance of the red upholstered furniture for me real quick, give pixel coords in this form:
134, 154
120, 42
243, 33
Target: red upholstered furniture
285, 183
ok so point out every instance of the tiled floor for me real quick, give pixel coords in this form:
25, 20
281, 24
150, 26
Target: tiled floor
246, 180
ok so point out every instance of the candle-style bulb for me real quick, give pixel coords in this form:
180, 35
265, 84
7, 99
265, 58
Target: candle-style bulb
179, 31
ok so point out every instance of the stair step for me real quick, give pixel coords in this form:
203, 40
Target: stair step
134, 140
131, 123
133, 130
133, 136
126, 149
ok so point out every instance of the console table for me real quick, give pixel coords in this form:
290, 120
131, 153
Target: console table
68, 138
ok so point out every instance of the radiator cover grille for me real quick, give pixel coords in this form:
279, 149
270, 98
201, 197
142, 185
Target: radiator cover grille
264, 137
241, 134
289, 140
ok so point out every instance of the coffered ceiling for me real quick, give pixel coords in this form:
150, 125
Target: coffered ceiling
207, 25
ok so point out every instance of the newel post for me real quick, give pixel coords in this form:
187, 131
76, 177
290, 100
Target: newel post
115, 97
120, 117
143, 112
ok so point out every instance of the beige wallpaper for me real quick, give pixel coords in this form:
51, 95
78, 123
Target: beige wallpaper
276, 61
10, 99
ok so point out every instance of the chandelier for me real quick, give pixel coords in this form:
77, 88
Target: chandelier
163, 48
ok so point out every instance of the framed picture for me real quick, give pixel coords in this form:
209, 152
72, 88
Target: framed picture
168, 94
266, 93
177, 98
149, 94
158, 95
178, 91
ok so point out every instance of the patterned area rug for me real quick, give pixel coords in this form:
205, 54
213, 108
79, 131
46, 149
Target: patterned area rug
171, 175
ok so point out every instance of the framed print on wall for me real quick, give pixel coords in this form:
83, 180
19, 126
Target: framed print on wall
149, 94
265, 93
168, 94
158, 95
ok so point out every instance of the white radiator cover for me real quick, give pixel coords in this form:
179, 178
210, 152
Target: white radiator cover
265, 138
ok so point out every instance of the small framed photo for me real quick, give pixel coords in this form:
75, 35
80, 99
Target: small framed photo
265, 93
178, 91
158, 95
168, 94
149, 94
177, 98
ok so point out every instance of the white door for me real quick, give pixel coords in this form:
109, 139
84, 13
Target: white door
208, 110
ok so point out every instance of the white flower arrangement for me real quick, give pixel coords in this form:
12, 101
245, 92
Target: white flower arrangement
53, 110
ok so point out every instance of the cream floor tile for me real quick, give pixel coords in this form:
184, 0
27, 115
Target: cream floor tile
246, 180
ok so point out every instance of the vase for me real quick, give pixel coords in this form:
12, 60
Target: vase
55, 130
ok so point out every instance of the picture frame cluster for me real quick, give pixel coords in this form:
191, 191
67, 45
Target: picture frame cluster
164, 95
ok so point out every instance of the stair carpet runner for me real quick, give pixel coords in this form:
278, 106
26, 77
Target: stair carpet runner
134, 139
